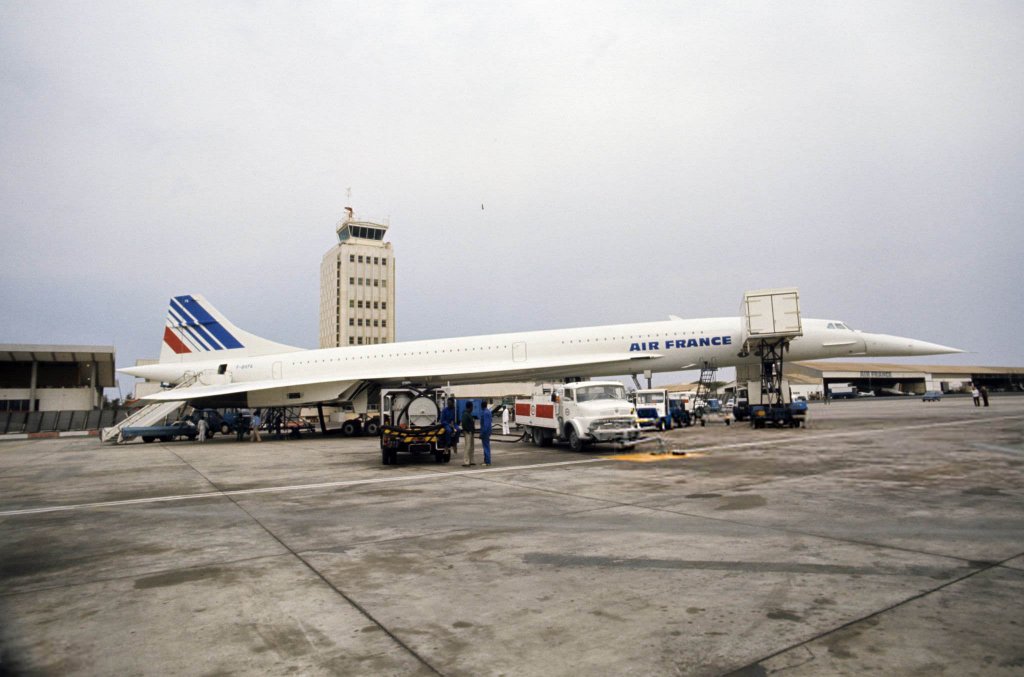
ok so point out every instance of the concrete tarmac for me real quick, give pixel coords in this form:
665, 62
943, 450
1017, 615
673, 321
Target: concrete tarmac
887, 537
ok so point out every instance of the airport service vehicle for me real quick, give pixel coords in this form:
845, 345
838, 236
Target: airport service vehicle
842, 391
765, 409
932, 396
164, 433
411, 423
580, 414
219, 365
647, 418
677, 405
741, 409
713, 412
658, 400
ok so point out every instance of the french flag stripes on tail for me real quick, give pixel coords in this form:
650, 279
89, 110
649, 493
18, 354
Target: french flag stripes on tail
190, 328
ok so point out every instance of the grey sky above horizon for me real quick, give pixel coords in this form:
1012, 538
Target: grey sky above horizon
633, 160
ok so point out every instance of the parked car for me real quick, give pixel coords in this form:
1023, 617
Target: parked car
164, 433
932, 396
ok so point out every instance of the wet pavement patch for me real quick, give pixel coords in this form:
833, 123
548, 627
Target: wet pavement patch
178, 577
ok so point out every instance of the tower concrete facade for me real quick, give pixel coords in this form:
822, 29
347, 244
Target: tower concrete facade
357, 286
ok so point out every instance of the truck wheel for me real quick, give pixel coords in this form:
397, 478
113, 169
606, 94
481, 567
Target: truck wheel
349, 428
661, 425
575, 443
385, 457
538, 437
372, 427
225, 429
147, 439
447, 457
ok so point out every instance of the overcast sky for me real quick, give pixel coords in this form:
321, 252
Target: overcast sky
633, 160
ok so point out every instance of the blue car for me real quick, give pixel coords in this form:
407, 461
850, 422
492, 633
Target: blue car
932, 396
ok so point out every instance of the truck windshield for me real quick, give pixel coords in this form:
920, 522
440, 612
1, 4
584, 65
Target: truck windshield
605, 392
650, 398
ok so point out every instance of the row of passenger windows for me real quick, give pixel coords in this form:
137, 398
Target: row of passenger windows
638, 336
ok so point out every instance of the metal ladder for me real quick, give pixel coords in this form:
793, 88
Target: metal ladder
149, 414
705, 387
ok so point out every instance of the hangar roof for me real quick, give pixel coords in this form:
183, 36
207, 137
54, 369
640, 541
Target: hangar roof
103, 356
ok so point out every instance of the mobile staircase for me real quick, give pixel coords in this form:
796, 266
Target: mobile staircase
148, 415
705, 389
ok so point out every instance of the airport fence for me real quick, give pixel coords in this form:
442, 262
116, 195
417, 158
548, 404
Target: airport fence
60, 421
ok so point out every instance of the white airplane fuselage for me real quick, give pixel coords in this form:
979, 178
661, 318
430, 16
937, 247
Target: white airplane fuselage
309, 376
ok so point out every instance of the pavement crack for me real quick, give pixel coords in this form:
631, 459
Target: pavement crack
316, 572
913, 598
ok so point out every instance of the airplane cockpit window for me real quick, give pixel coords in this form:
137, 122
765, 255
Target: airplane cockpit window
831, 325
840, 325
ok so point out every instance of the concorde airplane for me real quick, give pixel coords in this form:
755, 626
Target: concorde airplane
223, 365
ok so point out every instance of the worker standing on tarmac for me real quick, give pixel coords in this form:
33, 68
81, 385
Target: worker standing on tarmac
485, 431
468, 428
255, 429
203, 426
504, 420
451, 430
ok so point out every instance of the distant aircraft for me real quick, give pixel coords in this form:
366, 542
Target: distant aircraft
231, 367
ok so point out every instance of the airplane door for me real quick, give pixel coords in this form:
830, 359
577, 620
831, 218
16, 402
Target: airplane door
276, 370
519, 351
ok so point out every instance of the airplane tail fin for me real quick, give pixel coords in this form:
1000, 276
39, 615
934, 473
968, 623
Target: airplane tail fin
194, 331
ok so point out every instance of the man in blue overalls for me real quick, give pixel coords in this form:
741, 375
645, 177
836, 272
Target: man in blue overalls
485, 431
451, 430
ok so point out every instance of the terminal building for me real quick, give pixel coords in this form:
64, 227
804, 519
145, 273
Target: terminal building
357, 286
810, 379
54, 377
884, 378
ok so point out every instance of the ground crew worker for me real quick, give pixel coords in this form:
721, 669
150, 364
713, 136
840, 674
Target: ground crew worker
451, 430
203, 426
255, 429
504, 421
485, 431
468, 428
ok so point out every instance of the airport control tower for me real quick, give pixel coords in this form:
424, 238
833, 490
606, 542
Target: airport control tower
357, 286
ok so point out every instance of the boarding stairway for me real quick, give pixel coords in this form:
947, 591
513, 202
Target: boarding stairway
705, 387
150, 414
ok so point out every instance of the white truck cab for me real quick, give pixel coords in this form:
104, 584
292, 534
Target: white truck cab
579, 413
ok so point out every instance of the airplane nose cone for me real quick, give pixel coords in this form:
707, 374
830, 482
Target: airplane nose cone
883, 345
